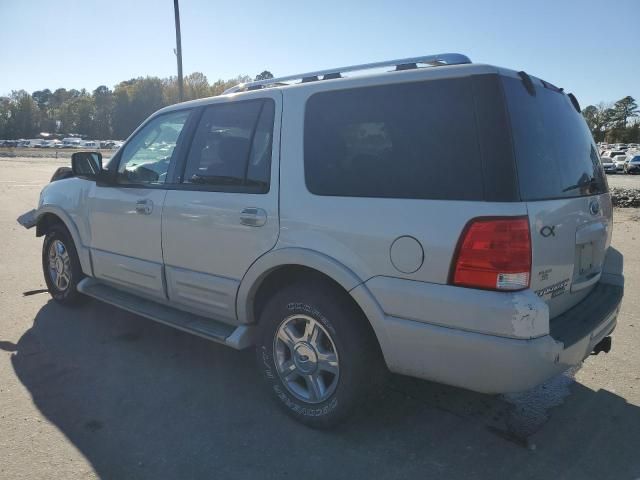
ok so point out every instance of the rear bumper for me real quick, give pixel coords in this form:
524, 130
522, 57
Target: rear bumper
492, 363
483, 363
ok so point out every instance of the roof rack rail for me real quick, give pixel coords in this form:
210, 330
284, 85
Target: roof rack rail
400, 64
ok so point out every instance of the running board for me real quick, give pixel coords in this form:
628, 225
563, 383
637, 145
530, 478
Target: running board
236, 337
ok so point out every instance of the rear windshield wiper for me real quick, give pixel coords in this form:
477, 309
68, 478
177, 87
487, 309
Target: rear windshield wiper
590, 182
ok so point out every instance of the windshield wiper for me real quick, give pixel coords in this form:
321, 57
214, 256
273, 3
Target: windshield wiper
590, 182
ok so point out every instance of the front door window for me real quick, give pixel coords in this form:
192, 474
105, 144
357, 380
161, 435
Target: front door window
147, 156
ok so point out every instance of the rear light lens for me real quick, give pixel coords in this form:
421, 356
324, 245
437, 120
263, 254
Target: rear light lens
494, 254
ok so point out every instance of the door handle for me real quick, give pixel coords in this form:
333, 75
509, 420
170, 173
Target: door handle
144, 207
253, 217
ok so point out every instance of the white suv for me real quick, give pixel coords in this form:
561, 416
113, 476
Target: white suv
327, 222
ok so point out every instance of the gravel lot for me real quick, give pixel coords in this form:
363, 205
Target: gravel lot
95, 392
621, 180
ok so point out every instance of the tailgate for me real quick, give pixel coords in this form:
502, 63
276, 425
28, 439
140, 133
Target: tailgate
569, 239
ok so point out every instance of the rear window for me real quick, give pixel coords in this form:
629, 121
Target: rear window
394, 141
555, 153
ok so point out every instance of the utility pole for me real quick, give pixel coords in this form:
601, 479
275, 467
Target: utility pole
178, 50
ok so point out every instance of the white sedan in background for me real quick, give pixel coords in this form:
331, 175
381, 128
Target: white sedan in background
620, 161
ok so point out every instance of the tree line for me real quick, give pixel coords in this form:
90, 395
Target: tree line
103, 113
614, 123
113, 114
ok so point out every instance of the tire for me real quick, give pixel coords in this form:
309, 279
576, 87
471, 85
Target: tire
63, 272
342, 381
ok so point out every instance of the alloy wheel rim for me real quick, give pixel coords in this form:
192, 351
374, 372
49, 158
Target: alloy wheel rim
59, 265
306, 358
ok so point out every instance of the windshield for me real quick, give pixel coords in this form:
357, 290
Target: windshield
555, 153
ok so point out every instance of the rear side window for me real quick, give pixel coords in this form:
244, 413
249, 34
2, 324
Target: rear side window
412, 140
232, 146
555, 153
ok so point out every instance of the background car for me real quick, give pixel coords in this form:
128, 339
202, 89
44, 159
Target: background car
608, 165
620, 161
612, 153
633, 165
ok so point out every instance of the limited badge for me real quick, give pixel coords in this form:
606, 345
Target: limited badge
554, 290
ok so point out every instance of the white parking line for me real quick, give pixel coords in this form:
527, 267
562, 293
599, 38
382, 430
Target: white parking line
26, 185
23, 183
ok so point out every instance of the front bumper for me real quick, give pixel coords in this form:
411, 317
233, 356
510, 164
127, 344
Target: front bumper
28, 219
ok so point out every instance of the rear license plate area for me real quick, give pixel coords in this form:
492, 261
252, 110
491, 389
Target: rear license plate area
585, 258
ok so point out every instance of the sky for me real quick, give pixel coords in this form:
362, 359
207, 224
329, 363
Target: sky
588, 47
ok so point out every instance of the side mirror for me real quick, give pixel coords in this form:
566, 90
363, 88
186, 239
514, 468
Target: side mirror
86, 164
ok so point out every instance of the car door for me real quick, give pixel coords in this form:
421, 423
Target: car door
126, 216
224, 214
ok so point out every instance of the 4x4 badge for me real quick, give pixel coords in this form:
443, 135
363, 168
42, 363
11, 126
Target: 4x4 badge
548, 231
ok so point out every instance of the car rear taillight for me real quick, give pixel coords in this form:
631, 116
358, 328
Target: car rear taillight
494, 253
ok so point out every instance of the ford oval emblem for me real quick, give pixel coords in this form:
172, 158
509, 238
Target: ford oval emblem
594, 207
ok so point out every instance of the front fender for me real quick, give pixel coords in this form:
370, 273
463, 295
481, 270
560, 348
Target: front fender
83, 252
68, 200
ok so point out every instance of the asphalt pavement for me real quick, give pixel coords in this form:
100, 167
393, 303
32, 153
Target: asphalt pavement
95, 392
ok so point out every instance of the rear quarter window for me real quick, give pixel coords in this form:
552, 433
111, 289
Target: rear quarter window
410, 140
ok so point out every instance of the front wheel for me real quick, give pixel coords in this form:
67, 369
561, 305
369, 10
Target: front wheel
61, 266
317, 353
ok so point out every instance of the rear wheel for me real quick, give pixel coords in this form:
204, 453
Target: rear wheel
317, 353
61, 266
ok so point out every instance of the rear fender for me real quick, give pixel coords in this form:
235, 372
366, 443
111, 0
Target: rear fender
320, 262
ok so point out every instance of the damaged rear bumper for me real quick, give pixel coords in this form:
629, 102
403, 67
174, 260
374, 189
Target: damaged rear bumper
469, 338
